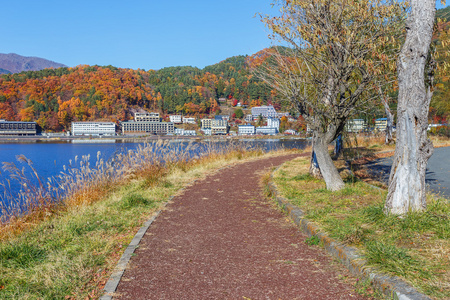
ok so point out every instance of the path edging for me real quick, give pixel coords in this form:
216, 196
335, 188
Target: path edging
390, 286
113, 281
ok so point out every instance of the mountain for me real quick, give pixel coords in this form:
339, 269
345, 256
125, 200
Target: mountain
3, 71
15, 63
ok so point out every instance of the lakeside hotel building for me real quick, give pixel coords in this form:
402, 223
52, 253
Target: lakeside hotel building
216, 126
267, 111
93, 128
17, 128
147, 123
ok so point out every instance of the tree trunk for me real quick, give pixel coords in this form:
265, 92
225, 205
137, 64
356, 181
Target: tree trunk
413, 148
389, 125
338, 147
327, 168
389, 118
314, 169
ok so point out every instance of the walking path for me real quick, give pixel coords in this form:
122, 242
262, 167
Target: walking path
221, 239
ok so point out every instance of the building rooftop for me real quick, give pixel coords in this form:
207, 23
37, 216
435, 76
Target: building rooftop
15, 121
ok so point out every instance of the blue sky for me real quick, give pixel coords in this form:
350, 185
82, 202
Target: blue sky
149, 34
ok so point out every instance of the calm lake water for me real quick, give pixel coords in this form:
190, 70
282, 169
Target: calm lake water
49, 158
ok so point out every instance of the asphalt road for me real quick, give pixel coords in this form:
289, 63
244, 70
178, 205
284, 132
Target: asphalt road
437, 176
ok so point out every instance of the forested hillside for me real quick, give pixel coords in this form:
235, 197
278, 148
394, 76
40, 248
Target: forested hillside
443, 13
56, 97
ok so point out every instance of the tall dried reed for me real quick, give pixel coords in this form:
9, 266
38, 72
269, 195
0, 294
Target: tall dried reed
81, 183
364, 140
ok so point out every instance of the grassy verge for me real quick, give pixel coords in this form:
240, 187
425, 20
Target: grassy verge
71, 253
416, 248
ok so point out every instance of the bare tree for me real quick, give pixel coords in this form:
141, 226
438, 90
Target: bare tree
413, 148
336, 51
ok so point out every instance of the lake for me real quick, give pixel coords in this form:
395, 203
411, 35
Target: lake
48, 158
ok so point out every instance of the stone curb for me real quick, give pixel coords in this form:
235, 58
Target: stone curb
391, 286
114, 279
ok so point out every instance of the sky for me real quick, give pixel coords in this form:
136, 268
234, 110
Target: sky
144, 34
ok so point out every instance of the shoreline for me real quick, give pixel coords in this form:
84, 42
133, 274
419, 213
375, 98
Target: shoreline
125, 139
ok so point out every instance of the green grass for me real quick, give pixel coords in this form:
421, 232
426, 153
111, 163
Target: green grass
415, 247
63, 256
312, 240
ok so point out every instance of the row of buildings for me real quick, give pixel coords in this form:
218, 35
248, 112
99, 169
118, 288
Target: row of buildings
143, 123
219, 126
272, 128
150, 123
359, 125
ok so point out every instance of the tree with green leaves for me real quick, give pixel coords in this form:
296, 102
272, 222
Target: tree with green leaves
239, 113
336, 49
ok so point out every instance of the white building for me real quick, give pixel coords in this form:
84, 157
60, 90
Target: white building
267, 111
246, 130
219, 129
206, 131
283, 114
356, 125
380, 124
180, 131
175, 119
275, 123
249, 118
216, 126
290, 132
160, 128
147, 117
266, 130
209, 123
93, 128
272, 128
190, 132
189, 120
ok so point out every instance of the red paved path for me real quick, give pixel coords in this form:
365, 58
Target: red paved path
221, 239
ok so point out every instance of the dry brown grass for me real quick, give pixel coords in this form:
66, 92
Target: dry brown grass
82, 184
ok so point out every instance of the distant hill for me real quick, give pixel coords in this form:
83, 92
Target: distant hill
3, 71
443, 13
15, 63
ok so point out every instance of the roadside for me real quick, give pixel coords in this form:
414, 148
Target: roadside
415, 248
437, 176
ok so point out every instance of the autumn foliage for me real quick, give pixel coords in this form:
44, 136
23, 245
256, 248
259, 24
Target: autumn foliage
83, 93
56, 97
